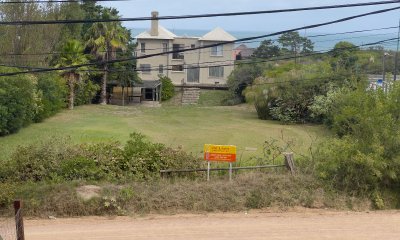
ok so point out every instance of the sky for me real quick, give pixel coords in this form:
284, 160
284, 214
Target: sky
256, 23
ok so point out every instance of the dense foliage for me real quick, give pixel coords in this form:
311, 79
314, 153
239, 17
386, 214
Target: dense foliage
241, 77
167, 88
19, 102
289, 91
28, 98
52, 92
34, 98
57, 160
365, 155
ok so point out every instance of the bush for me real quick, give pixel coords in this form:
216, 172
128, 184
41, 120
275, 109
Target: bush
27, 98
167, 88
286, 93
55, 159
364, 157
241, 77
80, 168
85, 91
53, 92
146, 159
41, 161
6, 194
19, 101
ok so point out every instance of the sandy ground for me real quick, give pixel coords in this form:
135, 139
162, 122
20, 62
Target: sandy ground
296, 224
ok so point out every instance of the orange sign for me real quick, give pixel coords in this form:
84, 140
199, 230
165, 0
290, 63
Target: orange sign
219, 153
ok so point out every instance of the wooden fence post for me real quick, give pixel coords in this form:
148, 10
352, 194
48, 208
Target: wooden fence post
289, 162
19, 222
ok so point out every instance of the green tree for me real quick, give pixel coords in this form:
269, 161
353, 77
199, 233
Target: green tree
267, 49
296, 44
123, 73
242, 76
72, 55
27, 39
344, 56
92, 11
104, 38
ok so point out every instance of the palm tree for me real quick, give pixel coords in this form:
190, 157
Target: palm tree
72, 55
104, 39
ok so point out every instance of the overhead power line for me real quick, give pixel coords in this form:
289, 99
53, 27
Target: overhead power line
211, 45
210, 64
264, 36
188, 47
338, 33
279, 58
70, 21
272, 59
57, 1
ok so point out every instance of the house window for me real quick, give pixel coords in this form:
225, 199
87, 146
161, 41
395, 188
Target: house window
161, 69
177, 68
193, 45
165, 47
145, 68
177, 47
216, 51
143, 47
217, 72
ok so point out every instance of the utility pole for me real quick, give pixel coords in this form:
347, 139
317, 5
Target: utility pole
384, 69
385, 85
396, 62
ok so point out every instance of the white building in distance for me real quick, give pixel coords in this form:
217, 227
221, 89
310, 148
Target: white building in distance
200, 67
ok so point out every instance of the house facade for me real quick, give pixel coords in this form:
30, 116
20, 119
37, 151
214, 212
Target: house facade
200, 67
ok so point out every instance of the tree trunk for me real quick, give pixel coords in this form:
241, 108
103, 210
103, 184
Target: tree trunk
104, 86
123, 96
71, 83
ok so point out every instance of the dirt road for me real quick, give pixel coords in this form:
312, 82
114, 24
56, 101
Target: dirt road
300, 224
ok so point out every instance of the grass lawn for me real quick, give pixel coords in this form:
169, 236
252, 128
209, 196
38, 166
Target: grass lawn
189, 127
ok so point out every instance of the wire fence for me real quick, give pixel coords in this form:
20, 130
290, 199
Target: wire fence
8, 227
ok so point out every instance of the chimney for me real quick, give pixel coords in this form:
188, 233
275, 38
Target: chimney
154, 24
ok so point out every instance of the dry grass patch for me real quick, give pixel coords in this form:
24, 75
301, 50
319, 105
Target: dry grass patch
171, 196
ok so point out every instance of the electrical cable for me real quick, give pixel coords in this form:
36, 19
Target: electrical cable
311, 36
249, 61
216, 44
199, 15
57, 1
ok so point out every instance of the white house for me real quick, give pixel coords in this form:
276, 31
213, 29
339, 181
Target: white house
201, 67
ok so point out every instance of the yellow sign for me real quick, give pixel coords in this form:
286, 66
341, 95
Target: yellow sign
222, 153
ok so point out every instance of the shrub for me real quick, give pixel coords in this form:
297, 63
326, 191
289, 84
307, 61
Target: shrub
55, 159
365, 155
167, 88
19, 101
53, 95
109, 160
79, 168
85, 91
146, 159
40, 161
6, 194
286, 93
241, 77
